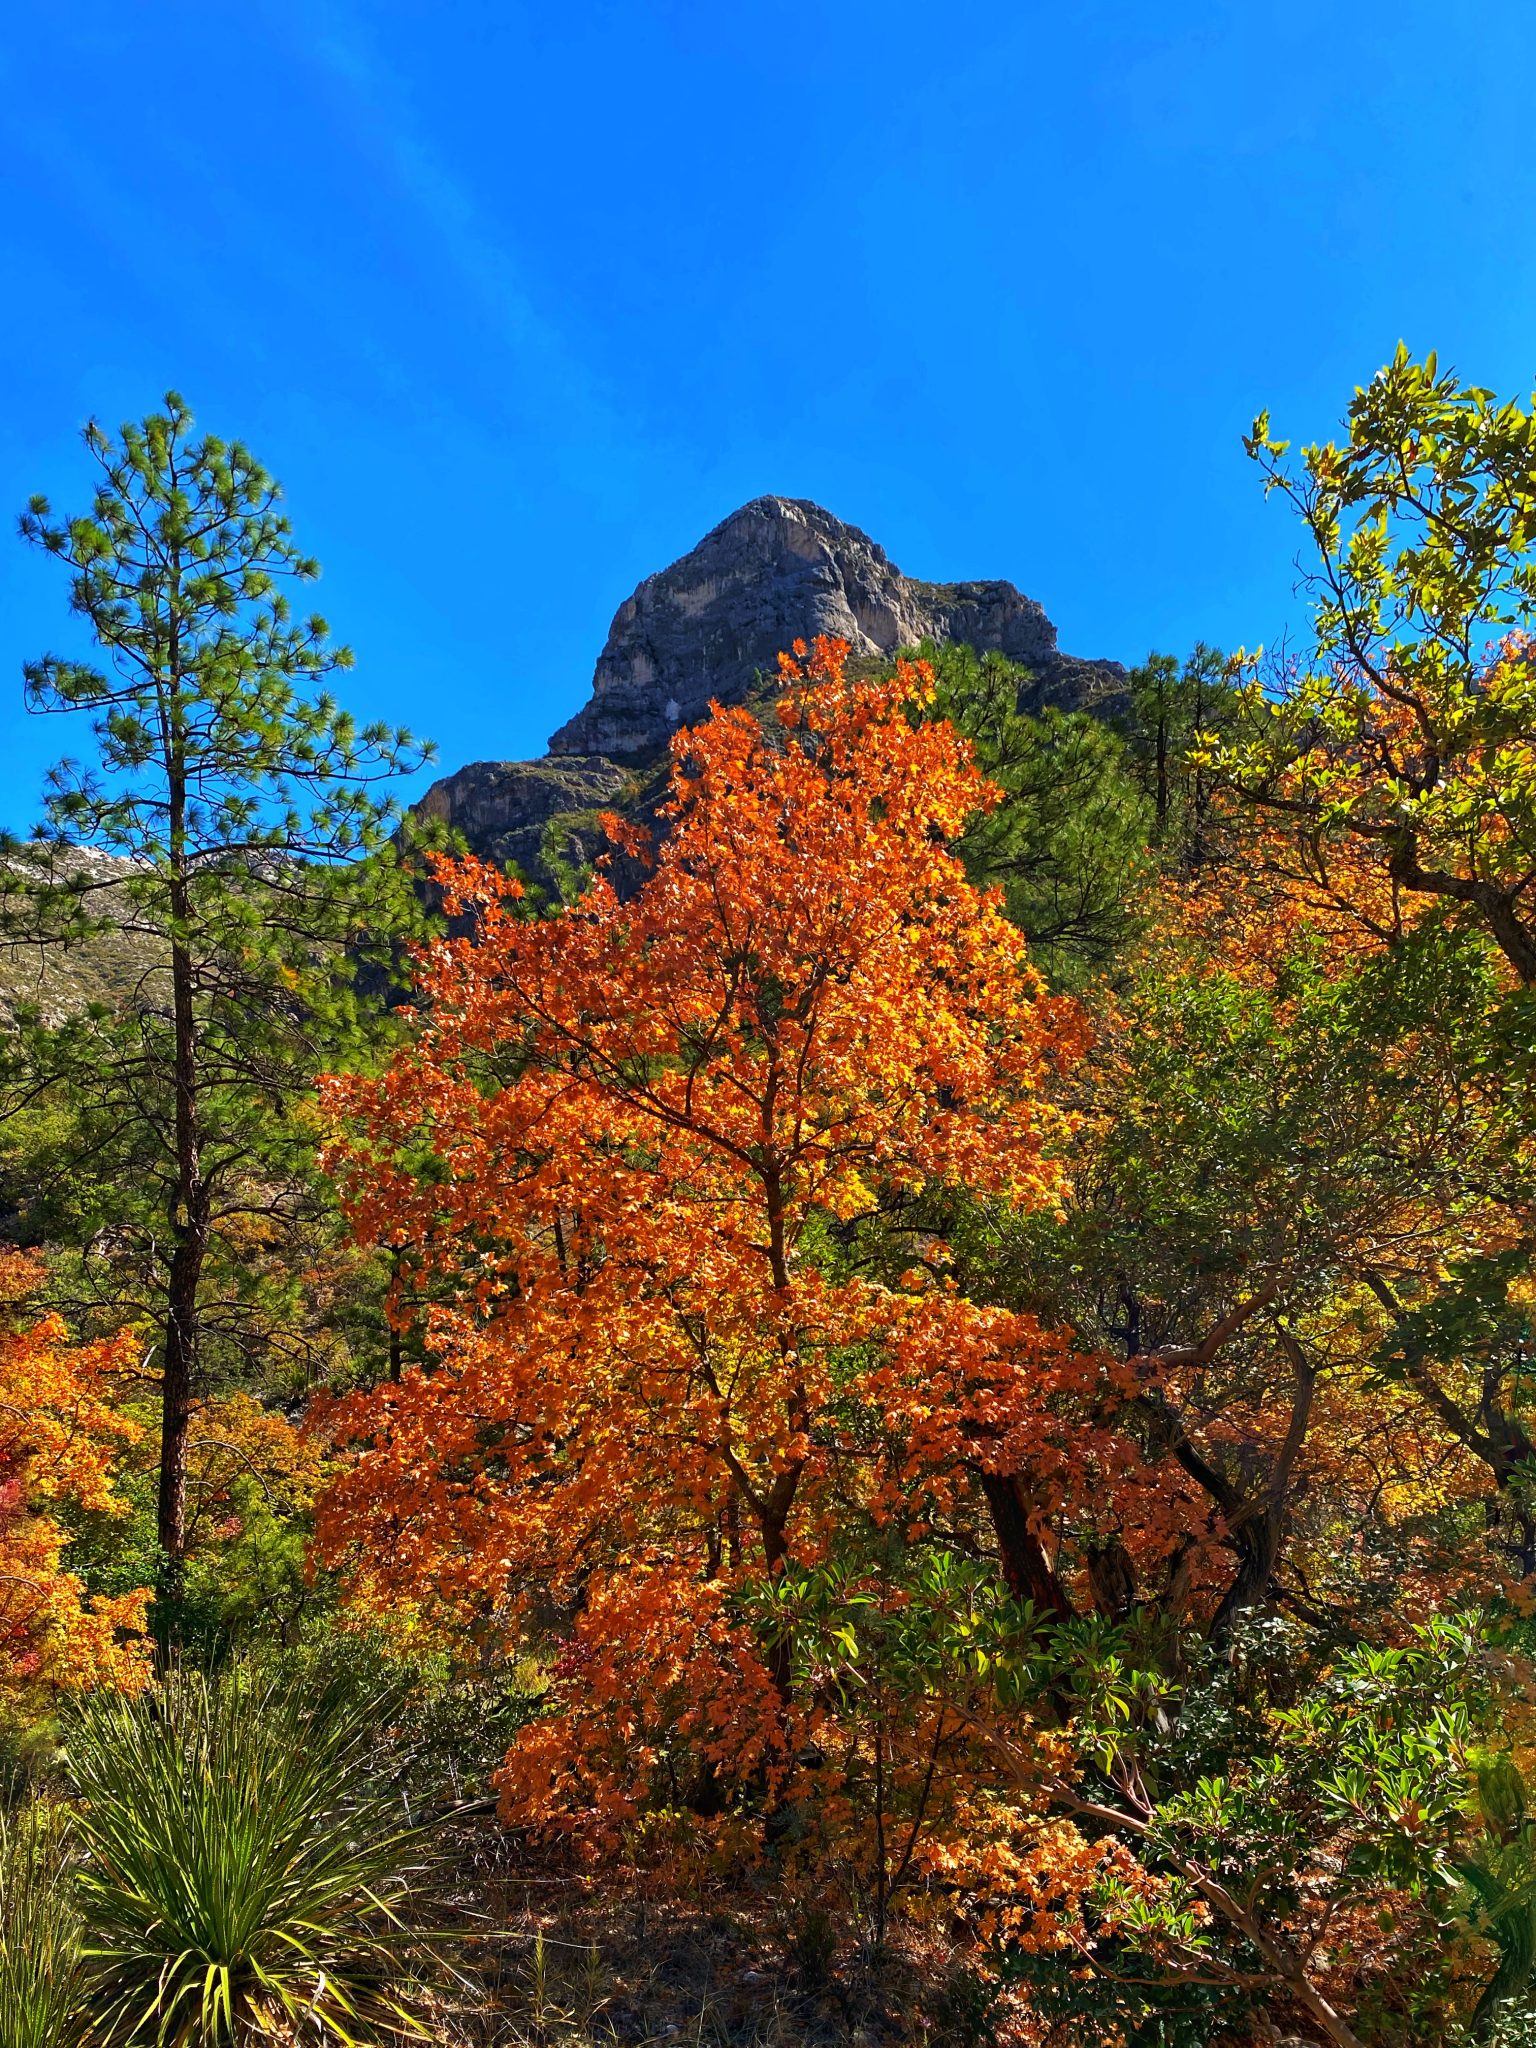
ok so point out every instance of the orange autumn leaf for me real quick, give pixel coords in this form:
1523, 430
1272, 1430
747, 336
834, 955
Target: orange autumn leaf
59, 1438
612, 1158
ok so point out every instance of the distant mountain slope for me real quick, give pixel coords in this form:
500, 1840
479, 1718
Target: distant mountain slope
111, 966
709, 627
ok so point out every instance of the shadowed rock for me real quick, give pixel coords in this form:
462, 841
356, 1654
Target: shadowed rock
529, 811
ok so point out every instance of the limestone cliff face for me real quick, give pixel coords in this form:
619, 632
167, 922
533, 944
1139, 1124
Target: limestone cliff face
777, 571
711, 627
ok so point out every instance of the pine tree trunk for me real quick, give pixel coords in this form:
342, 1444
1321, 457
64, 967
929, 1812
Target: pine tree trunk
177, 1386
190, 1226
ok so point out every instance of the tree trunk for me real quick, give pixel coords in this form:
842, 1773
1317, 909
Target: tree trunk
1026, 1569
189, 1199
781, 1648
190, 1229
177, 1388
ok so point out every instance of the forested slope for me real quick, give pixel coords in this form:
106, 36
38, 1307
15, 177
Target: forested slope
898, 1410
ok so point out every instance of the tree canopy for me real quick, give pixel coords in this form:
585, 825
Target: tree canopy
933, 1364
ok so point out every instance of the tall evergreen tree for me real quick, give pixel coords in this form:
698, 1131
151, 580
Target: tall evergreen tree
1172, 705
1068, 845
255, 862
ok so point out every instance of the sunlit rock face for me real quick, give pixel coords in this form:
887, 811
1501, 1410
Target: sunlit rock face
777, 571
711, 628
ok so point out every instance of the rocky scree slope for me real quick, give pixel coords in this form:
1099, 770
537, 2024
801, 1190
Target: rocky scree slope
711, 627
122, 965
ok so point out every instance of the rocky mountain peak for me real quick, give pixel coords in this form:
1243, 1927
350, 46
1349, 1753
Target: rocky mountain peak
711, 627
776, 570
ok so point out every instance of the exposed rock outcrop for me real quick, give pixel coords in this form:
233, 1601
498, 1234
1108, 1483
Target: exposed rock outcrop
711, 628
535, 813
777, 571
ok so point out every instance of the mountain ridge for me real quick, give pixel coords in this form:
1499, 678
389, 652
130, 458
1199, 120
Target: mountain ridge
710, 627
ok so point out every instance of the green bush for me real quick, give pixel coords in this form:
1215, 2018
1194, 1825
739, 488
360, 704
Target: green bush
42, 1969
250, 1870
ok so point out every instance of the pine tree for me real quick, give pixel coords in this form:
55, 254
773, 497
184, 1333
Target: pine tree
1068, 844
1172, 706
255, 863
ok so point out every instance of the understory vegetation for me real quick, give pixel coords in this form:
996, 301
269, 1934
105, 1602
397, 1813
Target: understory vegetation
904, 1414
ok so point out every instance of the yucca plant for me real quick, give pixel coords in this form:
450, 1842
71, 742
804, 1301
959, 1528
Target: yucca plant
42, 1970
1499, 1873
250, 1873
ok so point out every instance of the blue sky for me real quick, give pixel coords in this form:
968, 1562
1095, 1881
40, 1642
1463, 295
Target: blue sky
520, 299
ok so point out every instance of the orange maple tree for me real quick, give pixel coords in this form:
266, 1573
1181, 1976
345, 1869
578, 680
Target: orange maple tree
59, 1436
626, 1155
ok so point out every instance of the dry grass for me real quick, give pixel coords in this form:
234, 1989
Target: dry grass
563, 1961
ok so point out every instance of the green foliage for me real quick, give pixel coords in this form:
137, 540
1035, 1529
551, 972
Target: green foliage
1094, 802
244, 804
175, 570
1258, 1123
1350, 1799
1415, 730
259, 869
1068, 845
1459, 466
1498, 1872
1371, 1760
1513, 2025
42, 1967
1174, 710
1264, 1790
1253, 1128
250, 1872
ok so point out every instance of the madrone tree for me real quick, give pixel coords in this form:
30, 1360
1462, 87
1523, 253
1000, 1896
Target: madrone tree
254, 866
1402, 758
